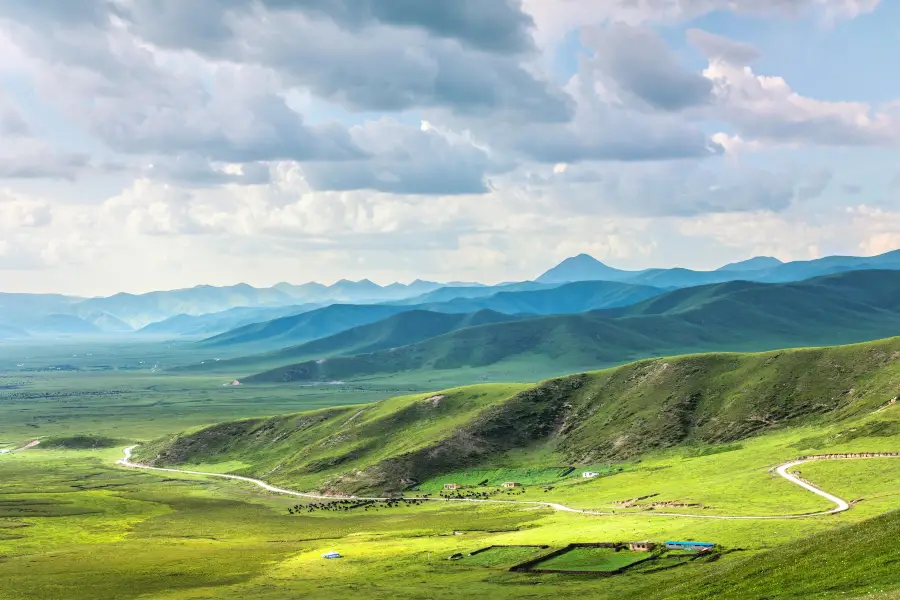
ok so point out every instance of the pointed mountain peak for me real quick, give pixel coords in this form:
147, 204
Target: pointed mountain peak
582, 258
582, 267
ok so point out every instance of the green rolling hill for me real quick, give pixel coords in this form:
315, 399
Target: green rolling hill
220, 322
612, 415
447, 293
848, 562
282, 332
738, 316
570, 298
395, 331
295, 329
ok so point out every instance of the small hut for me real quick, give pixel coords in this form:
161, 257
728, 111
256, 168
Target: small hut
641, 546
452, 486
511, 484
331, 554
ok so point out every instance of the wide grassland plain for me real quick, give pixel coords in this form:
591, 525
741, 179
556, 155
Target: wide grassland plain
75, 525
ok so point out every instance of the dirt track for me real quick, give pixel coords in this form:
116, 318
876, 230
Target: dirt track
841, 505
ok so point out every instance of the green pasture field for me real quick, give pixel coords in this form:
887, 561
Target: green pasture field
502, 556
87, 529
496, 477
73, 525
592, 559
135, 403
76, 526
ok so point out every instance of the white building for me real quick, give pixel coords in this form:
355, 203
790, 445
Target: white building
589, 474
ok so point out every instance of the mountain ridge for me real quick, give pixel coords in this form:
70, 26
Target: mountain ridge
837, 309
615, 414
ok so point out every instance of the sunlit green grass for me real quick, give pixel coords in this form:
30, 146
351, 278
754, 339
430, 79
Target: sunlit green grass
75, 526
502, 556
592, 559
159, 535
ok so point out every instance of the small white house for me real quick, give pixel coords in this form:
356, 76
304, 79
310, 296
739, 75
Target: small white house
331, 554
589, 474
5, 451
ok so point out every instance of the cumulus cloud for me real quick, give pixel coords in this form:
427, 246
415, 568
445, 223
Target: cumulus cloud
137, 103
17, 211
193, 170
766, 108
261, 131
491, 25
406, 160
722, 49
27, 158
194, 99
677, 189
554, 19
636, 62
12, 123
392, 63
626, 102
154, 209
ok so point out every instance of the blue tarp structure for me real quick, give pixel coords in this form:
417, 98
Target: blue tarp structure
331, 555
689, 545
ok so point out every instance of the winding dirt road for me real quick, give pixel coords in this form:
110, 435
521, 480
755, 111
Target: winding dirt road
841, 505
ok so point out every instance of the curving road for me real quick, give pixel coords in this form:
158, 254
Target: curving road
841, 505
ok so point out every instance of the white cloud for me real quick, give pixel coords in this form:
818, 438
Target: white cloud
766, 108
17, 211
273, 140
554, 18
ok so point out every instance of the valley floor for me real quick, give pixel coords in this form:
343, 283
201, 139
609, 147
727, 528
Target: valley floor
783, 470
73, 525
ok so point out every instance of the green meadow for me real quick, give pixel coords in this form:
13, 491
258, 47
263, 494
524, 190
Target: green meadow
73, 524
592, 559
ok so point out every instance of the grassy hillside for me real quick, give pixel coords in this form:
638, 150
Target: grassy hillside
852, 561
517, 299
611, 415
295, 329
219, 322
395, 331
739, 316
450, 292
570, 298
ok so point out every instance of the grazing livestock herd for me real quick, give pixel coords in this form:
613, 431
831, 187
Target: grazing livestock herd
352, 504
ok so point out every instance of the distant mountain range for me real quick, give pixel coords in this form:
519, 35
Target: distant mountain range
738, 316
559, 299
218, 322
207, 310
395, 331
763, 269
173, 312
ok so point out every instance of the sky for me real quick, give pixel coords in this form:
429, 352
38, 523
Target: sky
158, 144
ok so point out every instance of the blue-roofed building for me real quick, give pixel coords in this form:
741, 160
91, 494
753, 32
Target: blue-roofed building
691, 546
